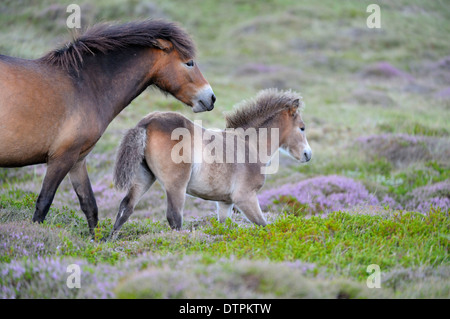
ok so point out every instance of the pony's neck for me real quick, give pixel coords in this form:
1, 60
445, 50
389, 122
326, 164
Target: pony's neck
268, 143
115, 79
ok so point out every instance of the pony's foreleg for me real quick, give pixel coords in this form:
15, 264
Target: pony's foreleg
57, 169
82, 186
250, 207
143, 180
224, 211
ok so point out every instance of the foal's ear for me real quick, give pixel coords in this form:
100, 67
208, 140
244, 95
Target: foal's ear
294, 107
163, 44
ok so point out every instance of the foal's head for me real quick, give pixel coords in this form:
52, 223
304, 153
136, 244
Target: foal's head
272, 108
293, 132
180, 76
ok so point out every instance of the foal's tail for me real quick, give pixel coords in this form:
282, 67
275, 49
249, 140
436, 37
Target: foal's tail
129, 157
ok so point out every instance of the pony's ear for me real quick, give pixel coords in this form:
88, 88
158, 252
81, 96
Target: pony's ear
294, 107
164, 45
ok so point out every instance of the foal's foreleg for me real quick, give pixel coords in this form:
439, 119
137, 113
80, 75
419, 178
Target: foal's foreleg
224, 211
57, 169
143, 180
82, 186
249, 205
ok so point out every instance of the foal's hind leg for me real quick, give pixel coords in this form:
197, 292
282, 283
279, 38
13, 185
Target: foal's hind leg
249, 205
142, 182
175, 203
82, 186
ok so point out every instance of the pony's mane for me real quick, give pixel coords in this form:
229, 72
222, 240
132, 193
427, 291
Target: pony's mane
262, 108
103, 38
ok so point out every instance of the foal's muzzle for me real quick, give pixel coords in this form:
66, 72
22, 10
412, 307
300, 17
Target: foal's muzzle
307, 154
204, 100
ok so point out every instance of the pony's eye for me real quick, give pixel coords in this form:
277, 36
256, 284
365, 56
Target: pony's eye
302, 128
190, 63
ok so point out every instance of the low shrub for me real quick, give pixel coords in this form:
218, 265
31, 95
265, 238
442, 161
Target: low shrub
239, 279
403, 149
319, 194
435, 195
46, 277
27, 239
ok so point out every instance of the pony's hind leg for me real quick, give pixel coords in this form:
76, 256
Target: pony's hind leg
251, 209
224, 211
82, 186
175, 204
142, 182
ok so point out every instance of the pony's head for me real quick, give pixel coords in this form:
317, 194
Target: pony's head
293, 132
276, 109
169, 64
179, 75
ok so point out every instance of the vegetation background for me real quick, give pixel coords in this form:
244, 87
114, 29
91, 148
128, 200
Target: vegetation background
377, 190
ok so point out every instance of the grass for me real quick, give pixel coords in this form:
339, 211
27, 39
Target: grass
341, 240
338, 248
321, 49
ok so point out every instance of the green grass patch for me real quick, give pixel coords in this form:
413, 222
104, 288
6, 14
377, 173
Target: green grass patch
412, 128
406, 181
342, 242
340, 245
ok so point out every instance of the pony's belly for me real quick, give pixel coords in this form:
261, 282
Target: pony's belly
20, 159
18, 152
200, 193
206, 185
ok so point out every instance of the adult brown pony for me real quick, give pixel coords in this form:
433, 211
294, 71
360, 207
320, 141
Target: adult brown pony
54, 109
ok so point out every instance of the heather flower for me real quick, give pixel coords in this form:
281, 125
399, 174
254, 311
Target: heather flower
385, 70
405, 139
23, 239
401, 149
390, 202
322, 193
47, 278
436, 195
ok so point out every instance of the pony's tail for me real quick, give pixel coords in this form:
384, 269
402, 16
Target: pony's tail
129, 157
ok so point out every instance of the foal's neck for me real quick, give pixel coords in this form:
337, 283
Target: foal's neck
268, 143
115, 79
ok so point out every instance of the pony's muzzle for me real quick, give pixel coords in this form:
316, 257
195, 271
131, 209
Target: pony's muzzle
204, 100
307, 154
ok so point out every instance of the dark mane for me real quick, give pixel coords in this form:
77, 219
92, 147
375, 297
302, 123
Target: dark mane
263, 108
104, 38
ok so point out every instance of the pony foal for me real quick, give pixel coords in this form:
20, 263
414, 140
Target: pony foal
149, 152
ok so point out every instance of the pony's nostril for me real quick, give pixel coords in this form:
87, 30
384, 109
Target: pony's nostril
307, 155
213, 99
